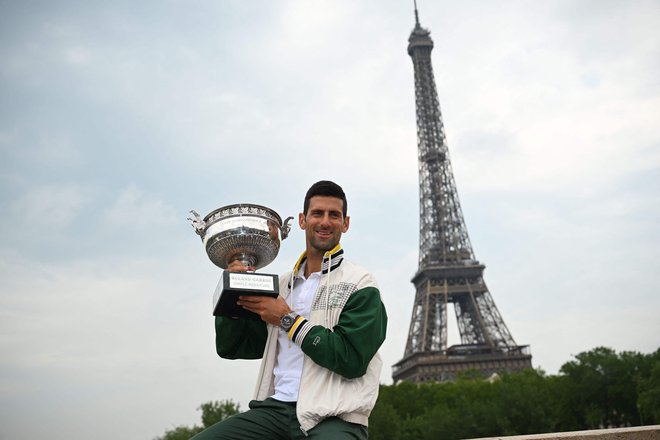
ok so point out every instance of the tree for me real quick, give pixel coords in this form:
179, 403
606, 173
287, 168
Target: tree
599, 388
180, 433
602, 388
526, 403
384, 422
648, 390
212, 413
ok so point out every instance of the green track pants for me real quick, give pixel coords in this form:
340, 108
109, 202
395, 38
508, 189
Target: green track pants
272, 419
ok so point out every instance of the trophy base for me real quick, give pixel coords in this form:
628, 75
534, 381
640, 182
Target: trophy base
235, 284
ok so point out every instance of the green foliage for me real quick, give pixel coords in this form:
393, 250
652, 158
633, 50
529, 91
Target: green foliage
648, 391
600, 388
212, 413
388, 422
181, 433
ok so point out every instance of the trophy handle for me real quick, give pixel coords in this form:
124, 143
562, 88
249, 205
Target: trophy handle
197, 223
286, 227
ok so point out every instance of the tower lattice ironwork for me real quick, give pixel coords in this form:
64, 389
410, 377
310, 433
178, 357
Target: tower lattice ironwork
448, 271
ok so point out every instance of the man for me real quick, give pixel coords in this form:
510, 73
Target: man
319, 339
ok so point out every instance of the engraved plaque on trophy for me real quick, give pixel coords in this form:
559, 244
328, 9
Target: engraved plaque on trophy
248, 233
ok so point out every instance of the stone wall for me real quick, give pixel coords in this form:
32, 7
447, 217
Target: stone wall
634, 433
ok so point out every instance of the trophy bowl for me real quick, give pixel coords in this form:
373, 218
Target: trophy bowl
246, 232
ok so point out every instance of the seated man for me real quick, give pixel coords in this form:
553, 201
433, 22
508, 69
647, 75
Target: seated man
318, 340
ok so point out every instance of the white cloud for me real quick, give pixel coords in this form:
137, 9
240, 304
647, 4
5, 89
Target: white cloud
307, 29
77, 56
565, 116
54, 150
134, 207
50, 206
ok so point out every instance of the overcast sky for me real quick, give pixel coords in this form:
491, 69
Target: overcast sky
117, 118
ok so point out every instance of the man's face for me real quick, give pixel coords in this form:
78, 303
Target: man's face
324, 223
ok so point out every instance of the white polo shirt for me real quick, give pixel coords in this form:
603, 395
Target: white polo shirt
288, 368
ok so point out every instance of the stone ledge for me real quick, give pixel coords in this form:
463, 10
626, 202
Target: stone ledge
651, 432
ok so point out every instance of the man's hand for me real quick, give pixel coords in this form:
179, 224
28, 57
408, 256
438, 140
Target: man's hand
270, 309
238, 266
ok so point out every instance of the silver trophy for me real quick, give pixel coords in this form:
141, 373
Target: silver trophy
247, 233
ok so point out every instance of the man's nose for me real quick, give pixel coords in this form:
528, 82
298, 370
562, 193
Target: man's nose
325, 221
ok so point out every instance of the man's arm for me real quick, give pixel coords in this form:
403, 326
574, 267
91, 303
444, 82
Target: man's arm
348, 348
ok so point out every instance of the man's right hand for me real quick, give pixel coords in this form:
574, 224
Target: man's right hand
238, 266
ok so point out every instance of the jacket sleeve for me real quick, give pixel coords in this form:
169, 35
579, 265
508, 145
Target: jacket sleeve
241, 338
347, 348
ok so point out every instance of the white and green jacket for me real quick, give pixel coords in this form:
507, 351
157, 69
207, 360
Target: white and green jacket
340, 339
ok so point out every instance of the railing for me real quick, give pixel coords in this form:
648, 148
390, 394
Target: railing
633, 433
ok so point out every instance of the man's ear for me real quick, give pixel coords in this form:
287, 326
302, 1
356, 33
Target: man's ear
301, 220
347, 223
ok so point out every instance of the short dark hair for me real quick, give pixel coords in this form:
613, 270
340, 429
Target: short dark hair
328, 189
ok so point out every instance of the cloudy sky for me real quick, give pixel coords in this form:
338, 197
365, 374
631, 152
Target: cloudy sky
117, 118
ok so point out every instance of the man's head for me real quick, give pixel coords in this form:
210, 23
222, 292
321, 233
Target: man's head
324, 216
325, 188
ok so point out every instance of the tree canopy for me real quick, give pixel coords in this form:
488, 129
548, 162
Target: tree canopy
212, 413
598, 389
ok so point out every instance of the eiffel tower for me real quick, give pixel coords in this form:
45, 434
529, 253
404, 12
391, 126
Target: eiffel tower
448, 271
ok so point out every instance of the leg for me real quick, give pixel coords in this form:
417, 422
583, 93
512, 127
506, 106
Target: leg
268, 419
334, 428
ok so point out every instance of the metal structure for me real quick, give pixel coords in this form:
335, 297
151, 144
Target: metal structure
448, 271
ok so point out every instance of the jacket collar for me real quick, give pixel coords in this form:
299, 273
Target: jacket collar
332, 259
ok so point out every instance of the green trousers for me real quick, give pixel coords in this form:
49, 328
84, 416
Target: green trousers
272, 419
